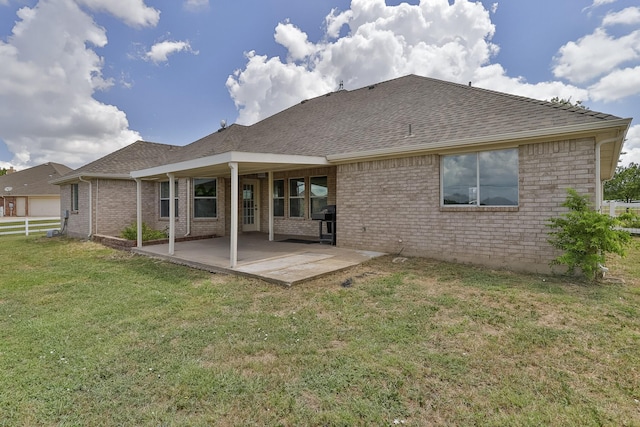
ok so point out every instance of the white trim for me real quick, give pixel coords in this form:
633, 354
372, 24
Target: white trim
270, 195
172, 213
138, 213
515, 137
230, 157
233, 250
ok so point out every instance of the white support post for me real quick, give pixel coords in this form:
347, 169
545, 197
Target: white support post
139, 212
271, 236
233, 250
172, 213
26, 226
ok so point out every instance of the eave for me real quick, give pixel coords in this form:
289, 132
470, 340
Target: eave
598, 130
218, 165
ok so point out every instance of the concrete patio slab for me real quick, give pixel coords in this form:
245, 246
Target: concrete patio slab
281, 262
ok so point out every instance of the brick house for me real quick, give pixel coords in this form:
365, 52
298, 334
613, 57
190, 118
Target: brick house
29, 193
415, 165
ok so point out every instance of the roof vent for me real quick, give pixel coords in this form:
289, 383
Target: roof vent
303, 101
469, 84
223, 123
372, 87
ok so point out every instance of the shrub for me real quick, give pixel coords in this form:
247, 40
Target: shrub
148, 233
585, 236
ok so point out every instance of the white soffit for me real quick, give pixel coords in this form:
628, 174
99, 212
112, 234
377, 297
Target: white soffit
232, 157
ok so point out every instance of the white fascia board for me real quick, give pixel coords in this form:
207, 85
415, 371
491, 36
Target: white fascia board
515, 137
76, 177
230, 156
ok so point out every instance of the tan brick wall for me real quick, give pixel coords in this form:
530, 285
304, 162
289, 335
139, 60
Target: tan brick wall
393, 206
78, 222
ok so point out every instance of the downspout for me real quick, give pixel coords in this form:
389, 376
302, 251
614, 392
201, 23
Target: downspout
598, 173
90, 205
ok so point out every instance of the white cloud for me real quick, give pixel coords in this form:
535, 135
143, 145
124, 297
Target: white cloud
595, 54
133, 12
48, 77
160, 52
631, 147
433, 38
294, 40
379, 42
628, 16
617, 85
598, 3
194, 5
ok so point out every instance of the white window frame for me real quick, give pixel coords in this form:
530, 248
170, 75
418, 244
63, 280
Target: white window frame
312, 197
299, 197
205, 197
283, 198
478, 196
161, 199
75, 197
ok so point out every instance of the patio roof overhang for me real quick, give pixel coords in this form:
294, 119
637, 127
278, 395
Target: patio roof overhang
218, 165
230, 164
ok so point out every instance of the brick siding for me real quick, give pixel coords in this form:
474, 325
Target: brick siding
393, 206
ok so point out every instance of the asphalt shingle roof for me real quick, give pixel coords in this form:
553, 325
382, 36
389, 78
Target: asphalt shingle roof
379, 116
34, 181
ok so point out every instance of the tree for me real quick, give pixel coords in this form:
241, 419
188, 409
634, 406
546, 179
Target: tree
625, 184
568, 102
585, 236
3, 171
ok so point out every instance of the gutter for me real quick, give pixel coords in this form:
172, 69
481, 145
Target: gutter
90, 205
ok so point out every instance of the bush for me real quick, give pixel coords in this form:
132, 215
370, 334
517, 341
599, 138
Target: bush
148, 233
585, 236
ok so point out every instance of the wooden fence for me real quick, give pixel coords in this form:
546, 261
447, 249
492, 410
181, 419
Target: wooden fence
28, 226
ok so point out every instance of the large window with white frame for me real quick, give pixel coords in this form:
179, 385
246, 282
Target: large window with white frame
486, 178
205, 198
278, 197
318, 193
296, 197
164, 199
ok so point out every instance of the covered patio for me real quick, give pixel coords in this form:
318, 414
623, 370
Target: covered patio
283, 261
230, 165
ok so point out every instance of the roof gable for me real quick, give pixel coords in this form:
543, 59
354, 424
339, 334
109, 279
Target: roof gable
33, 181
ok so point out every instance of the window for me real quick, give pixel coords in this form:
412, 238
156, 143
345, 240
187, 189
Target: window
74, 197
488, 178
205, 201
318, 194
164, 199
278, 197
296, 198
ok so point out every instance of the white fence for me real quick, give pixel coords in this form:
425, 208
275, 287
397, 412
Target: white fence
616, 208
28, 225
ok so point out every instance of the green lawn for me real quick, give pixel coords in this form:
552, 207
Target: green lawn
94, 337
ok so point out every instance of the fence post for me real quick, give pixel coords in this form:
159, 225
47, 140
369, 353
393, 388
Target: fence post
26, 226
612, 208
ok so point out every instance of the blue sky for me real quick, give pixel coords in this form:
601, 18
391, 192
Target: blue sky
82, 78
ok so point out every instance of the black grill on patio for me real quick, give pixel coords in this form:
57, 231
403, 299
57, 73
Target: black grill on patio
327, 221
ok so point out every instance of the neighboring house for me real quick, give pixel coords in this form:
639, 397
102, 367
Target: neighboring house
415, 166
29, 193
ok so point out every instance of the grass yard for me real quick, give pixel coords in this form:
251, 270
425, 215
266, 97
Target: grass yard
94, 337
